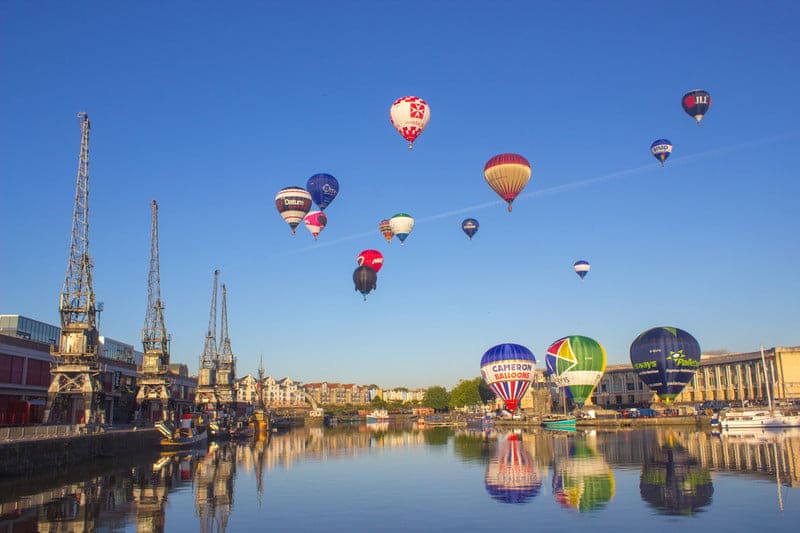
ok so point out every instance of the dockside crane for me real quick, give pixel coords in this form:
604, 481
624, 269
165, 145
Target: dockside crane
155, 386
75, 371
226, 362
205, 396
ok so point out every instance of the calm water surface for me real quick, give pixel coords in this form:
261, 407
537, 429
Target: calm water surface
392, 478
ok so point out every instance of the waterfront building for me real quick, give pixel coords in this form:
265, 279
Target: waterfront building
730, 377
403, 395
338, 393
284, 392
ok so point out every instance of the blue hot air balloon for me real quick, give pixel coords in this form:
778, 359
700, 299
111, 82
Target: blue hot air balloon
470, 227
666, 359
323, 189
661, 149
581, 268
508, 370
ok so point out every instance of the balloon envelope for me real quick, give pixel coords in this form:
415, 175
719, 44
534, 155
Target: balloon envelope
581, 268
371, 258
666, 359
386, 230
323, 189
315, 222
365, 279
470, 227
401, 225
293, 203
507, 175
661, 150
409, 116
576, 363
508, 370
696, 104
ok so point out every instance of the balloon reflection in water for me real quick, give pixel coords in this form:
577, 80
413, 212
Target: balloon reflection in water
583, 480
512, 475
673, 482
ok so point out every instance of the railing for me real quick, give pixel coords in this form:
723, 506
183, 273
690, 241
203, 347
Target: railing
18, 433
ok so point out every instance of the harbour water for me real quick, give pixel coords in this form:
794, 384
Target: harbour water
386, 477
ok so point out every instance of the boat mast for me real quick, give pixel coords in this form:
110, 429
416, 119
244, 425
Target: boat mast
766, 377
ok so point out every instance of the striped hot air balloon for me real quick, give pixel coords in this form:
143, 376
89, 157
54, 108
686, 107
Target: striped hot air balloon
409, 116
386, 230
507, 175
508, 370
581, 268
293, 204
576, 364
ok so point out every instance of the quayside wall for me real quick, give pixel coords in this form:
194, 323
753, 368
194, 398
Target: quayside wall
24, 457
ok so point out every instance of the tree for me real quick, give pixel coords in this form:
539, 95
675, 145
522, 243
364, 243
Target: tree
466, 393
436, 398
486, 392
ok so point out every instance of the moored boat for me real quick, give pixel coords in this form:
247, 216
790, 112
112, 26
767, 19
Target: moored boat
185, 436
757, 418
377, 415
559, 422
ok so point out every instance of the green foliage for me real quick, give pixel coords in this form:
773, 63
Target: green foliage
466, 393
378, 403
486, 392
437, 398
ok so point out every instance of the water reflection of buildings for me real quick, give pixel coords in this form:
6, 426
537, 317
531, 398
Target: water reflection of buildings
214, 486
109, 498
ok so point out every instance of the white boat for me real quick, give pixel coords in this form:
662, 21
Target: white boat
378, 415
757, 418
767, 418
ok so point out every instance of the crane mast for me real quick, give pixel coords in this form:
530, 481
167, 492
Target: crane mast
155, 386
205, 396
226, 363
75, 372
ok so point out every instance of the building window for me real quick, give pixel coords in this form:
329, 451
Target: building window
631, 386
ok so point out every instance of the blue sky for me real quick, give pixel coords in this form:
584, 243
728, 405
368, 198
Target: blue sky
212, 109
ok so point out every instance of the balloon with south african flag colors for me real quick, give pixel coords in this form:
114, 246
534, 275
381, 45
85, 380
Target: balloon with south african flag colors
666, 359
576, 363
508, 370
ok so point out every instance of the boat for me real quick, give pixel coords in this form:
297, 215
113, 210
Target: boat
377, 415
559, 422
185, 436
769, 418
242, 431
259, 421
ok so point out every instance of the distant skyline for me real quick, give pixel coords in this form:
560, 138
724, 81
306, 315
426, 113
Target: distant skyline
212, 111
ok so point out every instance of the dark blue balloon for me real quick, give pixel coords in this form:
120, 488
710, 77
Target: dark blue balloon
323, 189
666, 359
470, 227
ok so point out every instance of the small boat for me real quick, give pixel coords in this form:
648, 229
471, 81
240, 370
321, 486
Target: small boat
559, 422
377, 415
186, 436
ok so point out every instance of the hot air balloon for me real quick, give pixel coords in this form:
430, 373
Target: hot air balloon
365, 280
512, 475
666, 359
401, 225
371, 258
661, 149
470, 227
315, 221
409, 116
386, 230
696, 104
507, 174
576, 364
581, 268
323, 189
293, 203
508, 370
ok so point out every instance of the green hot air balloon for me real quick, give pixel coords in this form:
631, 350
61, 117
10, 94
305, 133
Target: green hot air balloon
576, 363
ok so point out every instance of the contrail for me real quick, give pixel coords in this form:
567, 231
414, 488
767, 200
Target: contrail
557, 189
